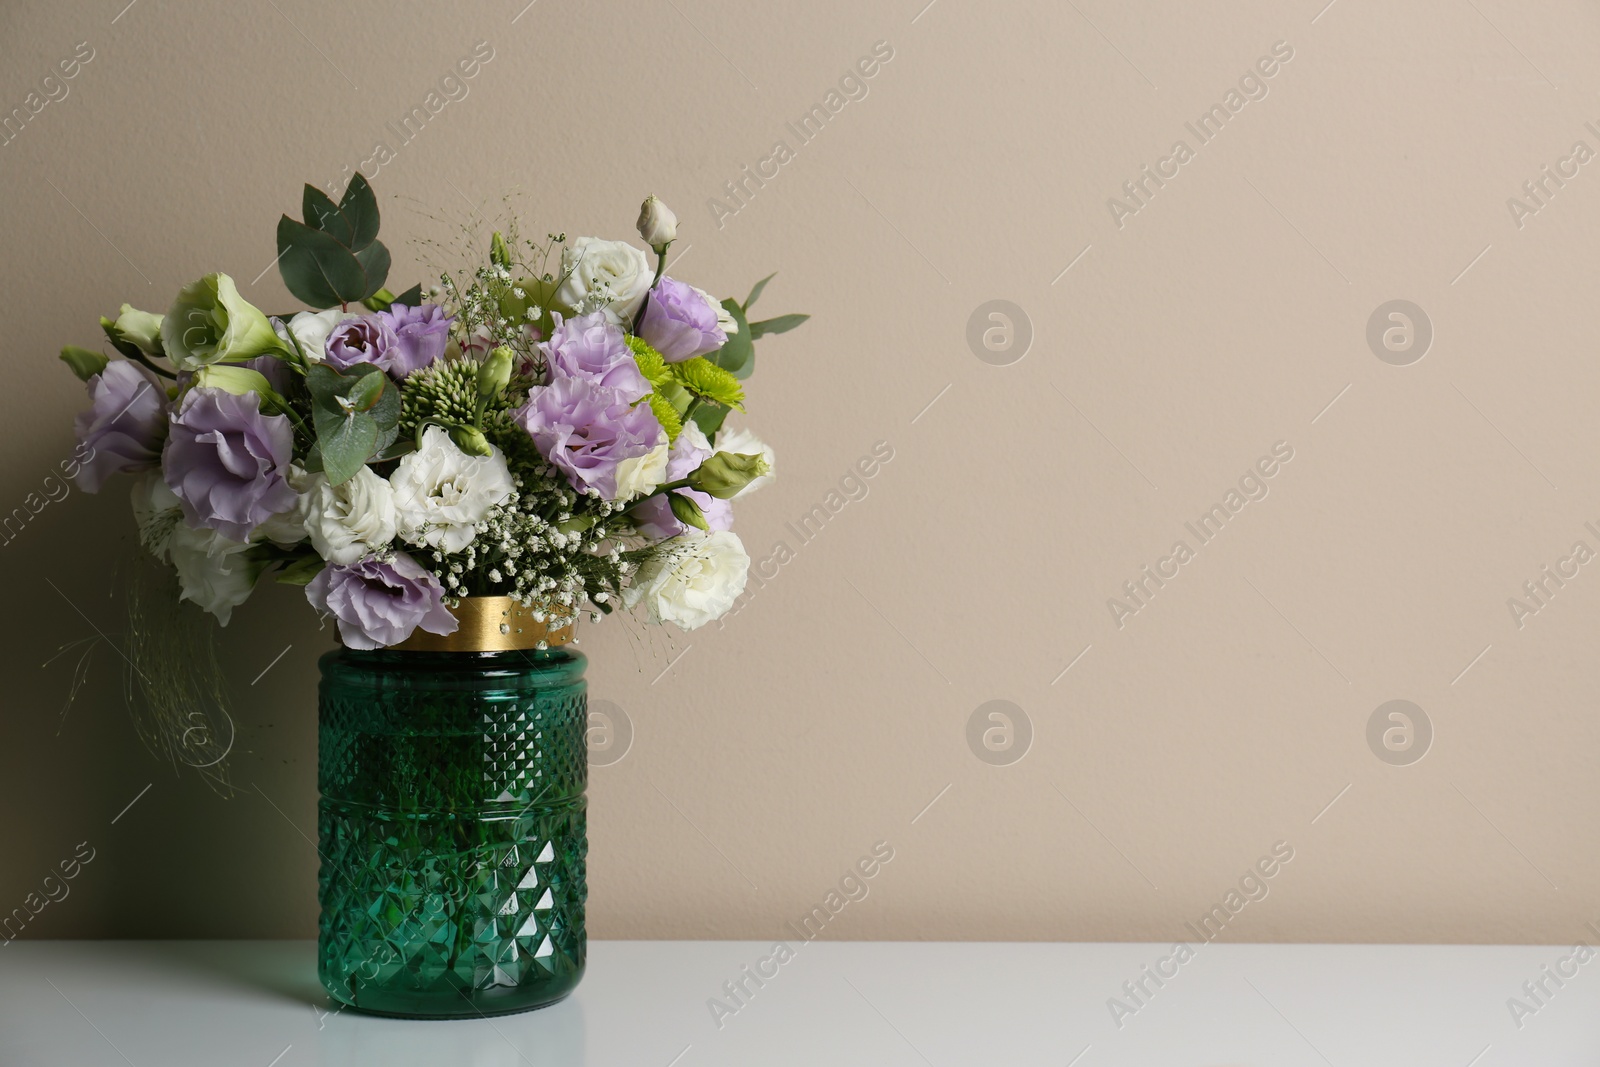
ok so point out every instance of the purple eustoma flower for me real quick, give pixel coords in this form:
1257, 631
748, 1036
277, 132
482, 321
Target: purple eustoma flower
122, 429
592, 347
366, 339
589, 431
379, 603
227, 462
653, 515
421, 334
679, 322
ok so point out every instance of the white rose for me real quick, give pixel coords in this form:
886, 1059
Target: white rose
743, 442
691, 579
725, 319
641, 474
600, 274
350, 520
213, 571
311, 329
441, 493
156, 512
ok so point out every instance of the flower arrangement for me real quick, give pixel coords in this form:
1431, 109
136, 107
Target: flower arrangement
552, 427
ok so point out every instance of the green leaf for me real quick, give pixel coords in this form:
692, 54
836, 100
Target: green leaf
84, 363
367, 391
755, 290
360, 206
316, 268
686, 511
780, 324
410, 298
709, 417
738, 355
346, 442
374, 260
300, 571
396, 447
705, 379
321, 213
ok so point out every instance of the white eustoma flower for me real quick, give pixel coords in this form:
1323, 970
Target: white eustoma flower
641, 474
311, 330
615, 270
441, 493
691, 579
350, 520
213, 570
743, 442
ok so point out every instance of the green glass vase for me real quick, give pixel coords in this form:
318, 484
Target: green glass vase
451, 829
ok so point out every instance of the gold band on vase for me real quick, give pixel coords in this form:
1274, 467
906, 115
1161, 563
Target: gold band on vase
492, 624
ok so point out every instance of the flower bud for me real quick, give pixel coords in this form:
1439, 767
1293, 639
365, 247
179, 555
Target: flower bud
470, 440
686, 511
657, 225
84, 363
235, 380
498, 252
494, 374
725, 473
140, 329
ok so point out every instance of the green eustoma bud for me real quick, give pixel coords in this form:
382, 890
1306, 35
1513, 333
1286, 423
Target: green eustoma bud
235, 380
84, 363
470, 440
725, 473
140, 329
495, 373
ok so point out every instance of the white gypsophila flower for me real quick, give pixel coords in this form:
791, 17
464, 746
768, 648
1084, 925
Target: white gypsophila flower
311, 329
156, 511
741, 441
213, 570
641, 474
352, 519
441, 494
691, 579
725, 319
621, 271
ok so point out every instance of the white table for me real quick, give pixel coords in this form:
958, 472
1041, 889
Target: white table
644, 1004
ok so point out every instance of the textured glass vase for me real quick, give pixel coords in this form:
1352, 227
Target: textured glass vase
451, 829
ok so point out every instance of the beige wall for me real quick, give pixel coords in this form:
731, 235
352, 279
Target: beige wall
1221, 318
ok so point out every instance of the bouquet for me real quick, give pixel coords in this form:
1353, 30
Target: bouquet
552, 426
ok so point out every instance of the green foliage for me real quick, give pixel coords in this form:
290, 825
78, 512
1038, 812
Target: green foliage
301, 569
333, 257
356, 414
738, 355
706, 379
84, 363
755, 291
709, 417
778, 324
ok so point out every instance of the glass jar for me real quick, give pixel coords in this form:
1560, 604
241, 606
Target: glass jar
451, 829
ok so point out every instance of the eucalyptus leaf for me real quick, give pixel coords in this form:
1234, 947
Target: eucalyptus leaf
301, 570
367, 391
374, 260
321, 213
738, 355
318, 269
780, 324
710, 417
346, 442
410, 298
755, 290
360, 207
